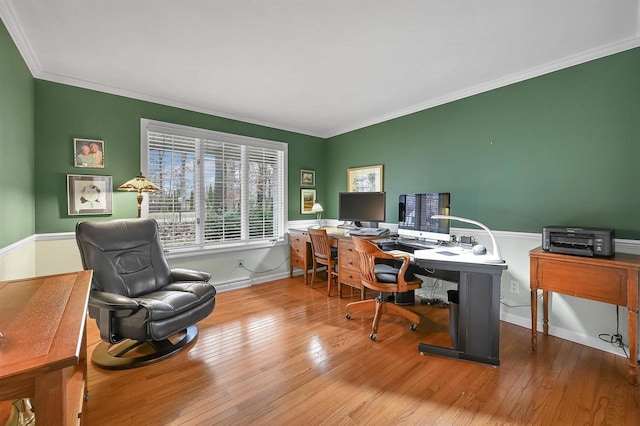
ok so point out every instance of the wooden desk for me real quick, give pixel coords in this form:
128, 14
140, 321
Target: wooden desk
610, 280
348, 263
43, 355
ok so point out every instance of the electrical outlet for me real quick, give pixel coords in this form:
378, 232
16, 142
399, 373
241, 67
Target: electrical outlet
240, 262
514, 287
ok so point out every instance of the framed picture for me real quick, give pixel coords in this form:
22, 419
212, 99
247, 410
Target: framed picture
89, 195
365, 179
307, 198
88, 153
307, 178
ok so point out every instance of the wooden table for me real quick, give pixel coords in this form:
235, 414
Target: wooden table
43, 354
610, 280
300, 255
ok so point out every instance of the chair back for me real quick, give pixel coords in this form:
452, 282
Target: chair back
125, 255
379, 276
320, 245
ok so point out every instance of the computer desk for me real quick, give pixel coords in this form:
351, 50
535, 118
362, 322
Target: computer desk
478, 289
479, 302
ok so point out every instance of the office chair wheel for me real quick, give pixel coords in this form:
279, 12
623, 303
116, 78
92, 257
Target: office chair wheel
372, 336
413, 327
348, 316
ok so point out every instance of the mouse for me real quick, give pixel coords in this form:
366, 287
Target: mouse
479, 250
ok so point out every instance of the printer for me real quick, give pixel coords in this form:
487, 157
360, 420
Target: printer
592, 242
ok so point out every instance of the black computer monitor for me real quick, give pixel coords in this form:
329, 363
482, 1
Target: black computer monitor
362, 207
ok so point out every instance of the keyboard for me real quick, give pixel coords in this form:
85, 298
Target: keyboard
369, 231
417, 244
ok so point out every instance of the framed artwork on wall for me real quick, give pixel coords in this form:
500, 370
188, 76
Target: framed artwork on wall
307, 177
365, 179
87, 195
88, 153
307, 198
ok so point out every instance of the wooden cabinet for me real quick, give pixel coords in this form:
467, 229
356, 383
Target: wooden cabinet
610, 280
300, 253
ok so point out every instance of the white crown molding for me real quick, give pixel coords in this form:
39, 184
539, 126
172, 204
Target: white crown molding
56, 78
501, 82
8, 17
10, 21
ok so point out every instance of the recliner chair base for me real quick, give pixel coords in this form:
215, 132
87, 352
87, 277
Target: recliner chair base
122, 356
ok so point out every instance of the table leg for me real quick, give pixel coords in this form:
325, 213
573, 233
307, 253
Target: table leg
633, 345
50, 398
545, 312
534, 320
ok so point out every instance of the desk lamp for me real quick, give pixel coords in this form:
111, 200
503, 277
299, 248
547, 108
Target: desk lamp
317, 208
140, 184
496, 256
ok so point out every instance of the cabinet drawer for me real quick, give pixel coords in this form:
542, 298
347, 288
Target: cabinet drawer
603, 284
348, 264
350, 277
296, 260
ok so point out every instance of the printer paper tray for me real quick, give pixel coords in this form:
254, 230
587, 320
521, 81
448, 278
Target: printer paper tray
568, 250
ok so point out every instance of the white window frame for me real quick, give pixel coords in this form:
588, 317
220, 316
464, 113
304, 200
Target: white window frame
246, 141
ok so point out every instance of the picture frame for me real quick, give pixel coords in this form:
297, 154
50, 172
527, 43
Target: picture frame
307, 198
365, 179
307, 177
89, 195
88, 153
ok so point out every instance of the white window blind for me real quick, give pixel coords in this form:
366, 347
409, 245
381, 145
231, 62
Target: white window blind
215, 188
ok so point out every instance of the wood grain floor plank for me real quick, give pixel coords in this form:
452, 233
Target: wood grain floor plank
283, 353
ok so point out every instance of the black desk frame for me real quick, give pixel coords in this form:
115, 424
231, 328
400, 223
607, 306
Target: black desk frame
478, 314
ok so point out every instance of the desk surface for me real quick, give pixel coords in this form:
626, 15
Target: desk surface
42, 320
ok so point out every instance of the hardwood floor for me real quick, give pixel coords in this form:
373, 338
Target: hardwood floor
284, 353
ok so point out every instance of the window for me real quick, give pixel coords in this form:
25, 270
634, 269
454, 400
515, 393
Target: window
216, 189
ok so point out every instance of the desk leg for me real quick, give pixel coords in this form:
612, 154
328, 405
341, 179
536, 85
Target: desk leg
534, 320
545, 312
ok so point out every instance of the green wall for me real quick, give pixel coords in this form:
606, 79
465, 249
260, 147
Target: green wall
16, 144
560, 149
65, 112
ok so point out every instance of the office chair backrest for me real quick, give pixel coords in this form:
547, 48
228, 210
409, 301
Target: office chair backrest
320, 244
126, 255
380, 276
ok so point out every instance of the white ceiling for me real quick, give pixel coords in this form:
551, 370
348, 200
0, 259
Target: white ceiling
319, 67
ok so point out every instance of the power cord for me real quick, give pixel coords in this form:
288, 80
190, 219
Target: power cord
517, 306
432, 300
266, 270
615, 339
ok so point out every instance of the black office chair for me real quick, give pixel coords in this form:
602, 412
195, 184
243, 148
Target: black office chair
135, 295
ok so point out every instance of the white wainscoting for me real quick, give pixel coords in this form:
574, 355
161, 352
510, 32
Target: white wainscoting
574, 319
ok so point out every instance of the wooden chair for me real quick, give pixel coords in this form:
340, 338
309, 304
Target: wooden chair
383, 278
323, 254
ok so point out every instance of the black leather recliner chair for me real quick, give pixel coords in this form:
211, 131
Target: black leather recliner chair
135, 295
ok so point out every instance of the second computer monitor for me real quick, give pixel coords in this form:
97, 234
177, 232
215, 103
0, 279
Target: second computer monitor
414, 216
362, 207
